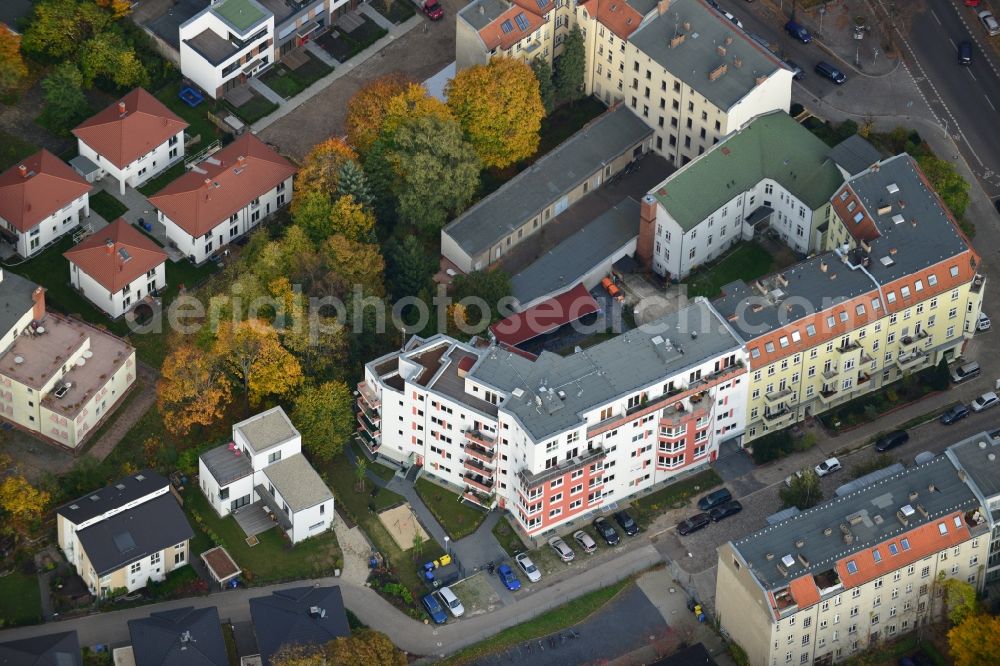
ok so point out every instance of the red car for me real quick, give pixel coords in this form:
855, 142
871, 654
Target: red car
434, 11
971, 3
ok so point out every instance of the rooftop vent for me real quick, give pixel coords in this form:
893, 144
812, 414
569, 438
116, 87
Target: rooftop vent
788, 560
94, 498
827, 531
907, 510
884, 209
914, 495
892, 188
769, 556
316, 612
800, 542
803, 560
886, 261
518, 392
898, 219
120, 486
982, 445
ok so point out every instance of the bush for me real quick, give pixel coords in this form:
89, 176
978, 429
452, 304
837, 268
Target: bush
795, 110
773, 446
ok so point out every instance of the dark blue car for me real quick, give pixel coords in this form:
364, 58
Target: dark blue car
434, 609
508, 578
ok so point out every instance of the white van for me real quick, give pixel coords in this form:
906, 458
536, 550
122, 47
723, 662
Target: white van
451, 602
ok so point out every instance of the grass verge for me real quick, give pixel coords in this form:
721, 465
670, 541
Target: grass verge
20, 602
13, 149
747, 262
557, 619
154, 185
647, 508
458, 520
508, 538
107, 206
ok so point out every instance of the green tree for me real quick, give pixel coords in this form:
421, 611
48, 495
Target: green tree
408, 267
352, 182
949, 184
12, 67
65, 104
803, 492
435, 170
361, 473
570, 66
959, 597
324, 414
975, 641
491, 286
107, 56
59, 27
546, 89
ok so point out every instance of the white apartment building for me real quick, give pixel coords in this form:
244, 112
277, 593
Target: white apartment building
226, 43
59, 377
263, 470
978, 457
132, 140
125, 535
554, 438
773, 174
862, 568
41, 198
224, 197
117, 267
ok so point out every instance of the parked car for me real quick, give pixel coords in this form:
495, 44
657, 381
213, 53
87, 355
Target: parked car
508, 578
983, 323
828, 466
625, 521
924, 457
965, 372
965, 53
797, 72
434, 609
725, 510
587, 543
528, 567
564, 552
693, 524
828, 71
798, 31
990, 23
714, 498
607, 531
736, 21
451, 602
891, 440
797, 474
954, 414
431, 8
985, 401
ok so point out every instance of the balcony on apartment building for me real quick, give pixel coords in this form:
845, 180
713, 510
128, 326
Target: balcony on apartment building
368, 395
851, 346
473, 465
588, 457
368, 428
371, 415
831, 373
485, 500
481, 438
909, 341
780, 417
908, 361
828, 394
977, 283
777, 396
477, 482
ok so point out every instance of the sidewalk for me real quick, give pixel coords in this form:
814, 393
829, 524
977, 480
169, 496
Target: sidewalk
287, 106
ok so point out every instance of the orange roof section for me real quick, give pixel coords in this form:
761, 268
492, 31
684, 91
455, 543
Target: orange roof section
493, 35
36, 187
129, 128
616, 15
116, 255
923, 541
804, 591
225, 183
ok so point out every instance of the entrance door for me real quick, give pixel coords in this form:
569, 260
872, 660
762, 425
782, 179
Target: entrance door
562, 205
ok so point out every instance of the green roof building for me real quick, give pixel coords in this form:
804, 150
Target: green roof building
772, 174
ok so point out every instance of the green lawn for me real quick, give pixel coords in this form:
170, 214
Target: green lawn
345, 45
557, 619
674, 495
153, 186
748, 261
270, 561
20, 602
198, 122
457, 518
382, 471
107, 206
13, 149
398, 12
290, 82
507, 536
258, 107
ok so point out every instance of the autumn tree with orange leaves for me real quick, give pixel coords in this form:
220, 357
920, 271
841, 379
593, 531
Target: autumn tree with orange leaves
119, 8
320, 171
192, 390
366, 110
500, 109
252, 354
12, 67
975, 641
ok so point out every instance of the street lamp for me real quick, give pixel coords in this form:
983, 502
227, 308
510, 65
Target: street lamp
447, 541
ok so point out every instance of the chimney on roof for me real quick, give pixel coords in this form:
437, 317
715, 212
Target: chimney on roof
717, 73
759, 80
662, 6
728, 40
241, 161
38, 304
676, 41
822, 265
208, 183
721, 50
737, 62
687, 26
23, 170
109, 245
647, 230
121, 107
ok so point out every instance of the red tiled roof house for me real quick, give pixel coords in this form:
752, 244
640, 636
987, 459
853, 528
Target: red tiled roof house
41, 198
224, 197
133, 140
117, 267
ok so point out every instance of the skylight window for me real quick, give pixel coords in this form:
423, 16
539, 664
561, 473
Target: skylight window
877, 555
796, 336
932, 279
918, 285
958, 521
522, 21
831, 322
954, 271
783, 341
810, 330
943, 528
843, 317
891, 297
905, 291
852, 567
755, 352
876, 305
893, 549
769, 347
905, 543
859, 216
860, 309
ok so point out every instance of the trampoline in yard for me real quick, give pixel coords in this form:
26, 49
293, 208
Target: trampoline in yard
191, 96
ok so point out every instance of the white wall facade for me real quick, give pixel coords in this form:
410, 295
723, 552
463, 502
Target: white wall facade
142, 169
305, 522
199, 249
52, 227
257, 53
122, 301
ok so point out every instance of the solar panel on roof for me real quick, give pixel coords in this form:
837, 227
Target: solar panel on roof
522, 21
506, 26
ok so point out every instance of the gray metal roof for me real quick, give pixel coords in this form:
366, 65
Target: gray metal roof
225, 465
612, 369
697, 56
564, 265
135, 534
83, 165
62, 649
854, 154
297, 482
15, 299
481, 13
267, 429
110, 497
180, 637
874, 509
285, 617
979, 456
869, 479
211, 47
547, 180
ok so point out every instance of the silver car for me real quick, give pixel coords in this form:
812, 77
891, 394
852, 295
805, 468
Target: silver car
587, 543
564, 552
528, 567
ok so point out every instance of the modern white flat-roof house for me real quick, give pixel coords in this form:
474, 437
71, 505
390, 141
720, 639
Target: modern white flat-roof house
133, 140
224, 197
126, 534
41, 198
117, 267
263, 470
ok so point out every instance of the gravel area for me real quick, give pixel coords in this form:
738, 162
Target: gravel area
476, 594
